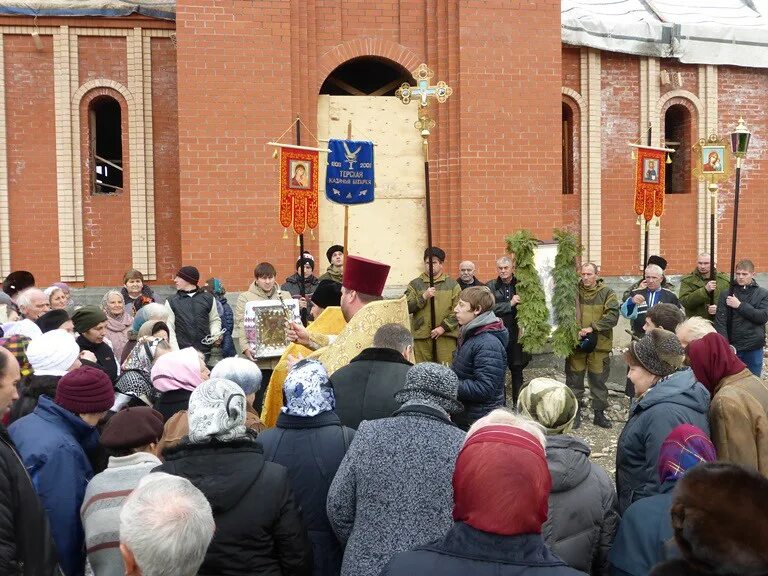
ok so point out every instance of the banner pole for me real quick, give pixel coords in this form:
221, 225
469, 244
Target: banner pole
346, 206
302, 285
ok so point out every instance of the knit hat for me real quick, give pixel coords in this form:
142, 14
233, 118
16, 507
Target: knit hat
658, 260
434, 383
86, 317
86, 390
659, 352
132, 427
17, 281
216, 410
301, 262
335, 248
364, 275
190, 274
327, 293
307, 390
551, 403
436, 252
52, 353
52, 320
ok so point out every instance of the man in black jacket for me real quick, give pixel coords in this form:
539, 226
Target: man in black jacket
741, 317
505, 292
193, 313
365, 388
26, 546
467, 276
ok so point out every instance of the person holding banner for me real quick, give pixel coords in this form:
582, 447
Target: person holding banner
335, 272
446, 294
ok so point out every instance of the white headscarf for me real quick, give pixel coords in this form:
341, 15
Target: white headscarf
216, 410
24, 327
52, 353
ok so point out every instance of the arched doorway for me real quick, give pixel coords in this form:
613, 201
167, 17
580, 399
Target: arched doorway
360, 93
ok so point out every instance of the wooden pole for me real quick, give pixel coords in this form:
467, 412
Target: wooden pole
432, 314
346, 206
302, 284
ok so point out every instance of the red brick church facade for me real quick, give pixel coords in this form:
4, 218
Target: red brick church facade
535, 135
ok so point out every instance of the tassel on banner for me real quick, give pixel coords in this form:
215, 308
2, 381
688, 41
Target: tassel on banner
669, 159
298, 241
285, 233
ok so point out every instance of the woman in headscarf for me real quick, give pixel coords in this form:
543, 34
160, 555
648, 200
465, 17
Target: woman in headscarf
501, 485
57, 298
150, 312
118, 320
258, 524
583, 508
310, 442
134, 387
666, 395
242, 372
645, 532
738, 412
51, 355
175, 375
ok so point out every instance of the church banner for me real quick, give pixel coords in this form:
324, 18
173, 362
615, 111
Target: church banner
349, 178
298, 188
649, 182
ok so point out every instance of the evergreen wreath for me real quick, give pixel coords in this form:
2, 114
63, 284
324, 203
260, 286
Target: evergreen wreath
532, 313
566, 277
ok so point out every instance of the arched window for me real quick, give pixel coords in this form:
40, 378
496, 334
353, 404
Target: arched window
106, 145
568, 146
677, 135
366, 76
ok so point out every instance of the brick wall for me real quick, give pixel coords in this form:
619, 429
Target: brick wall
31, 145
491, 173
165, 125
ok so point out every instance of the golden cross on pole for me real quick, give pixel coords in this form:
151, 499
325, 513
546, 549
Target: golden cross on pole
424, 92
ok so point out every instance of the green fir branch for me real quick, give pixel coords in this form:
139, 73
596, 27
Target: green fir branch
566, 278
532, 313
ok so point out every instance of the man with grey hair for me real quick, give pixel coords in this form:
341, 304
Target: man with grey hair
365, 387
504, 291
33, 303
166, 525
467, 275
648, 293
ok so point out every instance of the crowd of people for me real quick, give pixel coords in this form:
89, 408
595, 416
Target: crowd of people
150, 438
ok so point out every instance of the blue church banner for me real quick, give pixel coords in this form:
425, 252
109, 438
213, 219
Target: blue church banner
349, 178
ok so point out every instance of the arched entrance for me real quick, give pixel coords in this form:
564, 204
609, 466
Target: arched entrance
392, 228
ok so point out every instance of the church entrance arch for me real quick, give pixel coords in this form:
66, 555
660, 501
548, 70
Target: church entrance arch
392, 228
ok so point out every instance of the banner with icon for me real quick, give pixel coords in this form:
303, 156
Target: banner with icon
298, 188
650, 172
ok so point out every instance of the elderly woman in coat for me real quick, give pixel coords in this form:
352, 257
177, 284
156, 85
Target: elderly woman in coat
583, 508
310, 442
258, 524
134, 387
501, 485
666, 395
393, 488
175, 376
738, 413
645, 531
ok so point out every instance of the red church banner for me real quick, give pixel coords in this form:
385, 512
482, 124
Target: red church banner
298, 188
649, 182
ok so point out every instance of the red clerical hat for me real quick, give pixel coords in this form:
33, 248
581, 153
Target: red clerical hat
363, 275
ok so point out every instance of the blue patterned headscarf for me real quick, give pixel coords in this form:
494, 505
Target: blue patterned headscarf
307, 390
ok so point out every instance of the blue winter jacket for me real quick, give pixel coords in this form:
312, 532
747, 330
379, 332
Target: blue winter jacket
480, 363
52, 443
645, 536
674, 400
466, 551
